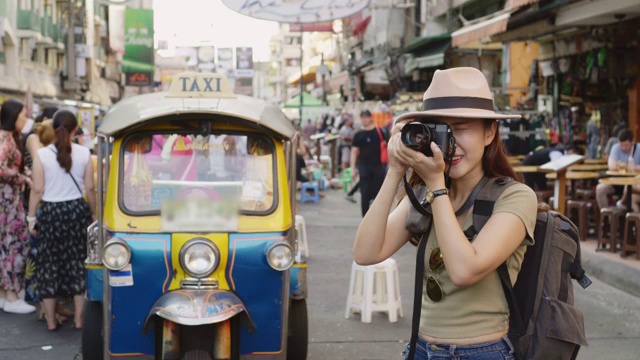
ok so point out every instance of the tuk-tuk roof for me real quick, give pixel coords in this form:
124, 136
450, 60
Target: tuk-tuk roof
139, 109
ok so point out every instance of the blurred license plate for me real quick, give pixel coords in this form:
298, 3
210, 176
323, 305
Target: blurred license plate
199, 215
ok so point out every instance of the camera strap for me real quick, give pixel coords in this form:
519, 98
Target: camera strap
419, 274
422, 207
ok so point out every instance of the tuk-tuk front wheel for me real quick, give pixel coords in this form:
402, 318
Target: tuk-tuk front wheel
92, 331
298, 339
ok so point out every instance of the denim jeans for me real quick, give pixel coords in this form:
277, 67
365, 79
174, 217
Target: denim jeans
491, 350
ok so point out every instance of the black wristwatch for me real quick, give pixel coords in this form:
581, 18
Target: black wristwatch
431, 195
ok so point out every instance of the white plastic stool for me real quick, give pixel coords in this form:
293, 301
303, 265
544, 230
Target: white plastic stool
301, 234
374, 288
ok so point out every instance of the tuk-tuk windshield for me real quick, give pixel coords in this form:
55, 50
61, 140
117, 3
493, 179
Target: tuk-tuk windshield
165, 166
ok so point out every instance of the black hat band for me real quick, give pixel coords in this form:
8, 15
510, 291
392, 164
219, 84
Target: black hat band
457, 102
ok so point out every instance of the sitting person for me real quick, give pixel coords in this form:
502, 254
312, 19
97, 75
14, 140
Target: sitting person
620, 155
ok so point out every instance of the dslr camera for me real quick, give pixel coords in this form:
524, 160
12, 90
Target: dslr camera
419, 136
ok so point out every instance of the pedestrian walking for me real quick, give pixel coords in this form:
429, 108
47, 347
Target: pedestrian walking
13, 227
346, 136
40, 135
62, 173
366, 159
463, 310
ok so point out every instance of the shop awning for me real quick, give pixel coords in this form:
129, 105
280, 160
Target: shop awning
361, 26
421, 44
483, 28
520, 3
368, 61
597, 12
308, 100
309, 74
433, 57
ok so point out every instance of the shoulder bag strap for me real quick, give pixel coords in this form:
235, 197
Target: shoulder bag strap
380, 134
72, 178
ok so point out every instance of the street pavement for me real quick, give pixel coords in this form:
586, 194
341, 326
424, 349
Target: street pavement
612, 316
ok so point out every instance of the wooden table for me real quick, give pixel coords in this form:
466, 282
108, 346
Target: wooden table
595, 161
560, 167
576, 175
623, 181
526, 168
621, 174
515, 159
589, 167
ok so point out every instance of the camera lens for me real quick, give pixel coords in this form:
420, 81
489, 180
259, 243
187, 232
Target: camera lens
416, 135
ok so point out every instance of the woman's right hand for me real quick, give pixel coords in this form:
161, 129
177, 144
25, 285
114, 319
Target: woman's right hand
395, 164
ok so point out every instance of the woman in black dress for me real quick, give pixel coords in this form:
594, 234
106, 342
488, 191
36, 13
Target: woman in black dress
62, 172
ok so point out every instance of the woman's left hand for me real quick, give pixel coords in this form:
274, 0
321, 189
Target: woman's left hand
32, 221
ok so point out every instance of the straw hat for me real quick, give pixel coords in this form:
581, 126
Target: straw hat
460, 92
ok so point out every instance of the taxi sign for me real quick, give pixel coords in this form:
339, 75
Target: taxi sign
200, 85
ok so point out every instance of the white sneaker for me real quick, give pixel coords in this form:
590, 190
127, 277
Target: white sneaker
620, 204
18, 307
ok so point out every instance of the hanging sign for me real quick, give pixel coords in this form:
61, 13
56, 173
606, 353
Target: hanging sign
297, 11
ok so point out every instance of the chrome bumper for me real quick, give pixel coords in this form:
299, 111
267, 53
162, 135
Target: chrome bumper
198, 307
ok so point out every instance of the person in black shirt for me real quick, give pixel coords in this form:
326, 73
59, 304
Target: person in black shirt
365, 160
538, 181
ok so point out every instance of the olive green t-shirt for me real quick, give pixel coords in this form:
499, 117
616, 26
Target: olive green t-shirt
481, 308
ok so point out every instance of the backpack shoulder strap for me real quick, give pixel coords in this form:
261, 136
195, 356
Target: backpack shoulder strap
486, 199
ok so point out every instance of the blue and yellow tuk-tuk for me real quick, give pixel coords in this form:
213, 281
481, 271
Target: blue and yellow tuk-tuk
194, 254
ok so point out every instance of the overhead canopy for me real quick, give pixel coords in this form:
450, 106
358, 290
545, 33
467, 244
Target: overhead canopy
308, 100
309, 74
481, 28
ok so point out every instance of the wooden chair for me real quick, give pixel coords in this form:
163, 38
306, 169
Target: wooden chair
610, 219
581, 208
589, 195
630, 241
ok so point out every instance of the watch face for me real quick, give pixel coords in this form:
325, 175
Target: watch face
429, 196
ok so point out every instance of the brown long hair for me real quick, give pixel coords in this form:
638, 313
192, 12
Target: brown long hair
494, 160
64, 122
9, 113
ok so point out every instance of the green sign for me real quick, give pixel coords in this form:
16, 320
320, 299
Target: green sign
137, 63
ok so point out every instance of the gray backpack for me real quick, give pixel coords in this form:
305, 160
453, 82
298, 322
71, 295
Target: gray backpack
544, 324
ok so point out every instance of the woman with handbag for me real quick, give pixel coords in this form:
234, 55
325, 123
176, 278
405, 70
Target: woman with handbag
62, 172
461, 312
13, 229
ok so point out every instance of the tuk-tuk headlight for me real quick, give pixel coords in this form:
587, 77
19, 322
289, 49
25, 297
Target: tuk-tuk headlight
199, 257
280, 256
116, 254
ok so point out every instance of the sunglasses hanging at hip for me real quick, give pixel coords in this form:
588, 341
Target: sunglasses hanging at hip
436, 264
